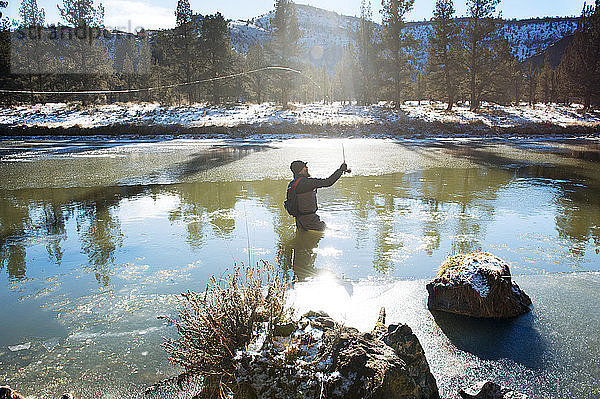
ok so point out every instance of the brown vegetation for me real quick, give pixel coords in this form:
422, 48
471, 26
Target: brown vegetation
213, 325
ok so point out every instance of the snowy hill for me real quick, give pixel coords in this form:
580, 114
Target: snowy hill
326, 33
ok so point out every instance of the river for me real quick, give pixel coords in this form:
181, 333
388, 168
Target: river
99, 236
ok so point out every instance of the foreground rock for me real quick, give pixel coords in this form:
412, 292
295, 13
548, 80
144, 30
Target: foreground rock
320, 358
489, 390
477, 285
7, 393
323, 359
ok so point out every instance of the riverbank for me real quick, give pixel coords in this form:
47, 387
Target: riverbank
335, 119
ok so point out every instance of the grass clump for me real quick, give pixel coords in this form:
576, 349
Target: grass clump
450, 268
227, 317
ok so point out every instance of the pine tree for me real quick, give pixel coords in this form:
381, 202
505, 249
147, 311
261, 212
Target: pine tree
29, 49
546, 82
343, 81
144, 65
127, 72
581, 61
531, 78
87, 58
325, 83
257, 82
445, 55
515, 80
480, 32
165, 68
185, 42
395, 43
30, 14
6, 79
499, 72
216, 50
82, 13
284, 46
563, 84
364, 43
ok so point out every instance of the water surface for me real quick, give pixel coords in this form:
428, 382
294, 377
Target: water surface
98, 237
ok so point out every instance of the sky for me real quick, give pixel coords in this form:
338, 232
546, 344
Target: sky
130, 15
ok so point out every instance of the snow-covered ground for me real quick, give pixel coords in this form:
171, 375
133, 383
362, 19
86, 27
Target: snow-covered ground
201, 115
494, 115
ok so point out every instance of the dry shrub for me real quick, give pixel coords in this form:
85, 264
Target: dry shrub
213, 325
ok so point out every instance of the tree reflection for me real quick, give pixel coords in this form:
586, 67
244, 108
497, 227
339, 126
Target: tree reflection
390, 208
432, 225
578, 216
100, 232
15, 224
54, 228
210, 202
447, 208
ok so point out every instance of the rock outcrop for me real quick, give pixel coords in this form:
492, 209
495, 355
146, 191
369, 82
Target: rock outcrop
322, 358
489, 390
7, 393
408, 348
477, 285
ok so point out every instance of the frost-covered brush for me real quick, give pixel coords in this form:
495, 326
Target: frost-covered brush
215, 324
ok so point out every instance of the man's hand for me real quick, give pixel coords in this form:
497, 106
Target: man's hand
344, 168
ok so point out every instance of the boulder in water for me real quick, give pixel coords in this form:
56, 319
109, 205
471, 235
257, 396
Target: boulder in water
477, 285
489, 390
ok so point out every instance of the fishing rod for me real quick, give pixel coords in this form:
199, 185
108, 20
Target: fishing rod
344, 156
170, 86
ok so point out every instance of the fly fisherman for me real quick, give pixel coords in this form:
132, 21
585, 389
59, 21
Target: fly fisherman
302, 195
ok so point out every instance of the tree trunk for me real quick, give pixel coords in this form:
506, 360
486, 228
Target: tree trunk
474, 103
450, 102
587, 100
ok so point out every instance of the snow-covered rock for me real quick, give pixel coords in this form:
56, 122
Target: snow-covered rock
477, 285
323, 359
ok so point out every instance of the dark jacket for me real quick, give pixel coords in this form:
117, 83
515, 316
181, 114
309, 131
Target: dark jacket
306, 191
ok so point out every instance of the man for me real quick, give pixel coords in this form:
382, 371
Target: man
306, 194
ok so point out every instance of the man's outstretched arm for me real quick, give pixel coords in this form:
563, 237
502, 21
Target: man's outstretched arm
312, 183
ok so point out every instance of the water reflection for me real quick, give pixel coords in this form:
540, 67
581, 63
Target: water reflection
100, 234
394, 218
298, 253
213, 157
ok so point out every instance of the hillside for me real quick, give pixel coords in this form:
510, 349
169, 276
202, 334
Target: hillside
325, 33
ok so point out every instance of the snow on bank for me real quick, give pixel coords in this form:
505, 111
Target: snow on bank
202, 115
